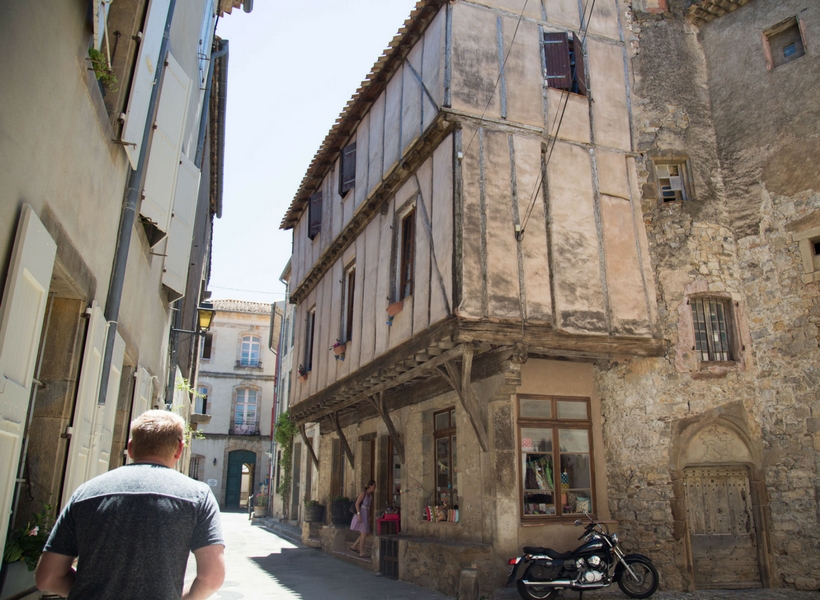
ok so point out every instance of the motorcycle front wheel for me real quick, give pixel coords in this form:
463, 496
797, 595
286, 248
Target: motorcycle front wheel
535, 592
645, 581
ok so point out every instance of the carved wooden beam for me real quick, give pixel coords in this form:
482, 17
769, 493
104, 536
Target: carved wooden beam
381, 407
460, 381
342, 438
308, 444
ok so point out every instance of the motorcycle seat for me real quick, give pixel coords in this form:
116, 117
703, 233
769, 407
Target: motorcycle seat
547, 552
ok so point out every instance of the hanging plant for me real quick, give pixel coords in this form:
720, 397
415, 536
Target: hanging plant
102, 70
283, 435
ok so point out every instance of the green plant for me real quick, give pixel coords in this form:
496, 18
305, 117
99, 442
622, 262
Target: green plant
312, 503
102, 70
261, 499
283, 434
339, 499
26, 543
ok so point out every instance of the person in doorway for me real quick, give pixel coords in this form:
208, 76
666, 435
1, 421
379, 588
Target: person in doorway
133, 528
361, 520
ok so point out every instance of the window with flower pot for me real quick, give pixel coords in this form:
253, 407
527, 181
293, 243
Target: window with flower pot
555, 439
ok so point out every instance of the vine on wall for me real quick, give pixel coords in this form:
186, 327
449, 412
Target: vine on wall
283, 435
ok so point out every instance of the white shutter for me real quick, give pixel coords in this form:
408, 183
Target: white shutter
21, 323
178, 249
143, 81
163, 158
100, 17
106, 415
142, 394
79, 446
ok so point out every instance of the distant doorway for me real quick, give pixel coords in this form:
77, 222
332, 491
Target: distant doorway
240, 484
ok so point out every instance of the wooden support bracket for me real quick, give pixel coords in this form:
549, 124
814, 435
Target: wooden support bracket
342, 438
460, 382
306, 440
381, 407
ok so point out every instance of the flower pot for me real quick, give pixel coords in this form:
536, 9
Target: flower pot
340, 512
314, 513
302, 378
260, 511
15, 578
340, 349
395, 308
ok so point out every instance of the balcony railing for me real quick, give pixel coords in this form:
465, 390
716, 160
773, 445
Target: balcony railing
244, 429
248, 364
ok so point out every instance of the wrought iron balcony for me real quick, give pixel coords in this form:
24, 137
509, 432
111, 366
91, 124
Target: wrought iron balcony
244, 429
248, 364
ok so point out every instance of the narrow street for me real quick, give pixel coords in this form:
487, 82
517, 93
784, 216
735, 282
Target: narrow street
260, 566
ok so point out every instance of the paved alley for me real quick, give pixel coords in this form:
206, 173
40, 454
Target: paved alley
261, 566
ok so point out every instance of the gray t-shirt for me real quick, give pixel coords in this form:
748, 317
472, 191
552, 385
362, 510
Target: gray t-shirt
133, 529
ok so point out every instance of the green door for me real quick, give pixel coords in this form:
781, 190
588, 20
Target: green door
236, 459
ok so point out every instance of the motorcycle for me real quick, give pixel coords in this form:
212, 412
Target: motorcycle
540, 573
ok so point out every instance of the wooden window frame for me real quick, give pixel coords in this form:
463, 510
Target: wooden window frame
773, 60
448, 433
564, 63
314, 215
407, 254
310, 334
347, 169
347, 307
554, 423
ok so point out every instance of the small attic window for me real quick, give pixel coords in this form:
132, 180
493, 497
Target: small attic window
784, 43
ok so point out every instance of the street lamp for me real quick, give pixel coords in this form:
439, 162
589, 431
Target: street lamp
205, 317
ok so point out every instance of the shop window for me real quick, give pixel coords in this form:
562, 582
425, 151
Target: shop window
444, 432
556, 457
712, 319
394, 476
783, 43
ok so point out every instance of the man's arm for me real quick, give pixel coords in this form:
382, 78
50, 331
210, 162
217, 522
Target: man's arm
210, 572
55, 573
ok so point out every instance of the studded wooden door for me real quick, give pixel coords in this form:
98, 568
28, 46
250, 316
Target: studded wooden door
721, 528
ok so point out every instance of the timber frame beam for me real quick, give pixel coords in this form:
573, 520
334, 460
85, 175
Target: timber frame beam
460, 382
335, 418
381, 407
306, 440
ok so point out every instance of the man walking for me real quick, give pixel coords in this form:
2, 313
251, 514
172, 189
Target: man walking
134, 527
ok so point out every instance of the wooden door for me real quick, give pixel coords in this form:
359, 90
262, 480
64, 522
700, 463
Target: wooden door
721, 528
233, 484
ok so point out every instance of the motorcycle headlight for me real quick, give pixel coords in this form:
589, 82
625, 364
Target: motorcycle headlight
615, 537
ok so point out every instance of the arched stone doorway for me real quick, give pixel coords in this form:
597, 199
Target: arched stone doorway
720, 505
239, 483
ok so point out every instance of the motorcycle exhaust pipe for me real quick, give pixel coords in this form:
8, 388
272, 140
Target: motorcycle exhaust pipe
565, 583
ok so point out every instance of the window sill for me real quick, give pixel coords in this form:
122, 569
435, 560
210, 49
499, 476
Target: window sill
715, 370
541, 520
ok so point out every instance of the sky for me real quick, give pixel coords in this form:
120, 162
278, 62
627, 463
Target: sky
292, 68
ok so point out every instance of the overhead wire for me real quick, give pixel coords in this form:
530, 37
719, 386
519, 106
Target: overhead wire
585, 24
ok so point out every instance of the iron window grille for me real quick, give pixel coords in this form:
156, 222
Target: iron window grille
712, 322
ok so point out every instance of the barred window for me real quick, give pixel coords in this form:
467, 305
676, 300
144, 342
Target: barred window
712, 321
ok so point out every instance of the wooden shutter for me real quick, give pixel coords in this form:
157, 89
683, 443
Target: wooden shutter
315, 215
106, 415
580, 71
178, 250
164, 158
347, 180
21, 322
556, 58
143, 393
85, 405
143, 81
408, 249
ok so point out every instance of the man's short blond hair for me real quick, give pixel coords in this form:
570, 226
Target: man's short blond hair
156, 433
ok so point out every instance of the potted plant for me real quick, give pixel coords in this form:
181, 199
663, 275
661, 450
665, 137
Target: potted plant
24, 546
338, 349
395, 308
260, 504
303, 373
340, 510
314, 512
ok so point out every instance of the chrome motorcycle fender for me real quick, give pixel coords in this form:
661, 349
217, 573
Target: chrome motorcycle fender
620, 568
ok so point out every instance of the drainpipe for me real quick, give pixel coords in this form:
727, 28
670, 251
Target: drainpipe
129, 211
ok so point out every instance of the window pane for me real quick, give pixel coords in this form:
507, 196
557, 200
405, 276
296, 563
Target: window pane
575, 471
536, 409
573, 440
536, 439
568, 409
539, 484
251, 398
443, 420
453, 460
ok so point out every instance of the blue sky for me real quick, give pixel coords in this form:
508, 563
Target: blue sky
292, 68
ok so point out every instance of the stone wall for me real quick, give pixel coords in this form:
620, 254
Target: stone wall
735, 245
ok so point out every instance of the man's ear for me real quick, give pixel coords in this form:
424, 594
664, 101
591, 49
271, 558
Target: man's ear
130, 451
180, 450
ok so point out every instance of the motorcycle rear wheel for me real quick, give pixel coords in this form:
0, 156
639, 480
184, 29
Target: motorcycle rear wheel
646, 583
534, 592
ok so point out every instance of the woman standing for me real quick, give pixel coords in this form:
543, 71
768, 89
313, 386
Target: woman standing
361, 520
